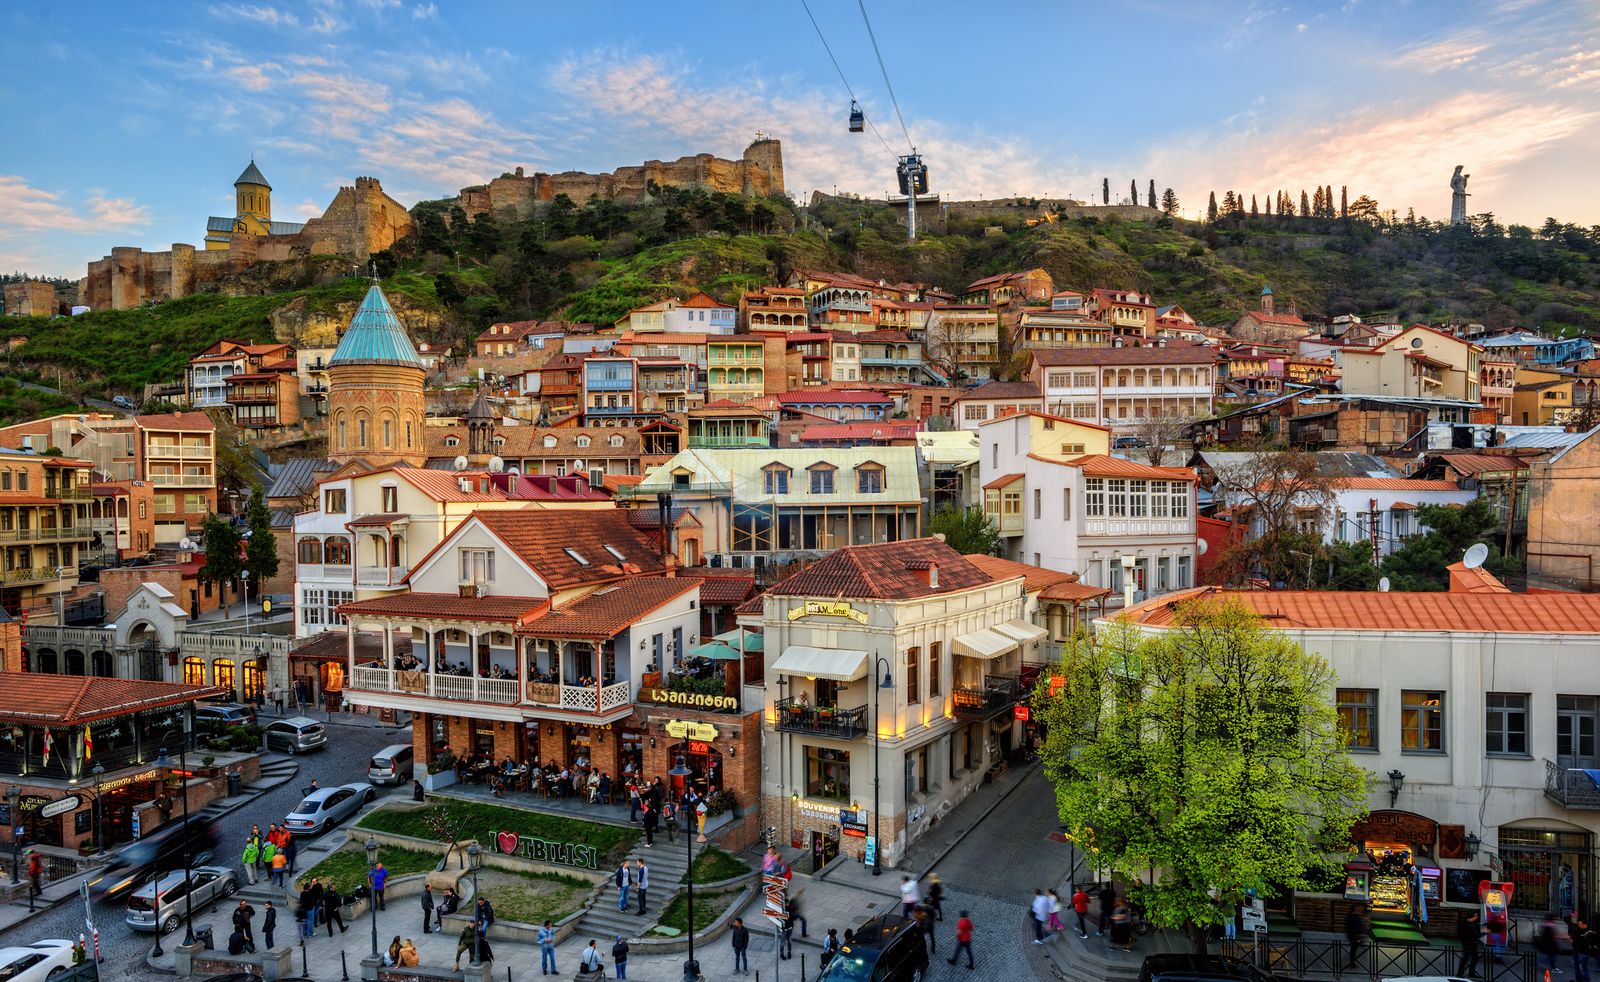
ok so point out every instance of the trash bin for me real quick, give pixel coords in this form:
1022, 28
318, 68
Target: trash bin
203, 938
235, 784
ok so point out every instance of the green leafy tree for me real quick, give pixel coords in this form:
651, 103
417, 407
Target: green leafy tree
1364, 209
966, 530
1169, 202
1420, 562
261, 552
223, 562
1210, 753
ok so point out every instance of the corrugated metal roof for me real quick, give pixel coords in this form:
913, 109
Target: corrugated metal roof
298, 476
375, 336
740, 471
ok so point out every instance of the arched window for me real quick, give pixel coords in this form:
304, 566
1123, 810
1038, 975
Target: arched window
194, 671
408, 434
255, 678
361, 432
309, 550
388, 432
102, 664
336, 550
222, 672
339, 427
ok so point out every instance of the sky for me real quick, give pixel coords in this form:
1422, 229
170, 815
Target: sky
127, 123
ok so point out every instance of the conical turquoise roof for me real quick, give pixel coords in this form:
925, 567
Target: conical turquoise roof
252, 175
375, 336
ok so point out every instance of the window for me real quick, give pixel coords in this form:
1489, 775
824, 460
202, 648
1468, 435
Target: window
449, 441
1161, 574
194, 671
1072, 449
333, 501
582, 441
775, 480
828, 773
1422, 721
1138, 498
388, 437
5, 480
1094, 497
1066, 504
1505, 724
361, 432
576, 557
391, 498
822, 480
1117, 490
477, 566
1038, 504
1159, 507
913, 696
142, 509
336, 551
994, 454
166, 504
1179, 496
309, 551
1575, 727
311, 606
22, 480
934, 682
222, 672
1358, 714
869, 479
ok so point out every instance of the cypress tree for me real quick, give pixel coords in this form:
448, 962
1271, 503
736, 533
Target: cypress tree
1105, 190
1253, 212
1169, 202
1152, 198
1327, 201
1305, 203
1228, 205
1316, 202
1211, 208
1133, 192
1344, 201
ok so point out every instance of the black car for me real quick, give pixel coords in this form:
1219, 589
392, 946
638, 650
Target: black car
161, 850
1180, 967
226, 713
886, 949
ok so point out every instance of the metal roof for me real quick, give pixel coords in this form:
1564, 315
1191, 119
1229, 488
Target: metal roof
375, 336
252, 175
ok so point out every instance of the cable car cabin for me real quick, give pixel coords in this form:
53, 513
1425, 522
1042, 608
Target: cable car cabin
858, 119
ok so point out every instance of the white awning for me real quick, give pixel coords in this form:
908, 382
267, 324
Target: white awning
984, 643
1022, 631
837, 664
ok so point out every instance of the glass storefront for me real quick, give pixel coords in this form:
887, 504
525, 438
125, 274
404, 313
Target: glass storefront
1552, 869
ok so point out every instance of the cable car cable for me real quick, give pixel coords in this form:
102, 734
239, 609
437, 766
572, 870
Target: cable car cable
815, 26
881, 67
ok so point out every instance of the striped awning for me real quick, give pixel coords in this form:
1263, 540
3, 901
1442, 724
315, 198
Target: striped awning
1021, 631
984, 643
837, 664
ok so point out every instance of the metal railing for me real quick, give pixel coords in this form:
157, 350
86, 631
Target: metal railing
997, 694
1570, 787
182, 480
168, 451
35, 575
379, 575
1304, 958
73, 492
47, 534
701, 442
844, 724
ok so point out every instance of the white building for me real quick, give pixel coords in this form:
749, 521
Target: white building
1121, 387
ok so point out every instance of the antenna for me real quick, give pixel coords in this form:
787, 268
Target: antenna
1475, 555
1383, 583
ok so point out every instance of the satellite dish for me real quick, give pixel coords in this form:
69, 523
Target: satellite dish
513, 472
1383, 584
496, 465
1476, 555
461, 463
186, 543
1202, 545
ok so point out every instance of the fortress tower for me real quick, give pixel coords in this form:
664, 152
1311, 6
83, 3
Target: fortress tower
375, 390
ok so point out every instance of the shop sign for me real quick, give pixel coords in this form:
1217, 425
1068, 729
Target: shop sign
828, 608
1021, 712
699, 747
123, 782
818, 809
685, 730
60, 806
546, 851
853, 823
1395, 826
691, 700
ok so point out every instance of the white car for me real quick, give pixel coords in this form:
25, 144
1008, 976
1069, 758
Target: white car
35, 962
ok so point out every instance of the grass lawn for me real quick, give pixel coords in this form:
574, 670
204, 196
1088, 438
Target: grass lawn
347, 868
534, 897
482, 821
707, 908
713, 866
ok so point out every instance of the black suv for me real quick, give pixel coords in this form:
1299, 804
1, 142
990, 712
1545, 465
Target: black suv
886, 949
1179, 967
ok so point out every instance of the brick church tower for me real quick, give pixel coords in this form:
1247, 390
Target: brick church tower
375, 383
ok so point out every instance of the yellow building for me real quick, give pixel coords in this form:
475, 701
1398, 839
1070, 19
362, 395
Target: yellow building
1541, 398
252, 197
1418, 361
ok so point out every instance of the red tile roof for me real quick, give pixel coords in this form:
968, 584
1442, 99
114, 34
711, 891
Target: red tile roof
1506, 613
861, 431
608, 611
720, 590
1282, 320
883, 572
1172, 353
1074, 591
1034, 578
334, 646
1004, 480
703, 299
1393, 484
1102, 465
1473, 464
176, 421
62, 700
449, 607
541, 539
1001, 390
841, 396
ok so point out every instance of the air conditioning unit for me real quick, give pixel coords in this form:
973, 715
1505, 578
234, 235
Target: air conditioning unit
480, 589
467, 589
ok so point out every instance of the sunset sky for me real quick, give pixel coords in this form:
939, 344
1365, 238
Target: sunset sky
127, 123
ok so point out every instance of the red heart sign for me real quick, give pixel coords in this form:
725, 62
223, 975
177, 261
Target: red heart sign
507, 842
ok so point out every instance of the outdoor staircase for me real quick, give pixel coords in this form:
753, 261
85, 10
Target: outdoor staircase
667, 862
275, 770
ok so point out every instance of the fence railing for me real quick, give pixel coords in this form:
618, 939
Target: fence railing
1304, 958
1570, 787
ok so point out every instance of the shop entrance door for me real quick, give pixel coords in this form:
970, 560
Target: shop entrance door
1552, 869
824, 847
705, 766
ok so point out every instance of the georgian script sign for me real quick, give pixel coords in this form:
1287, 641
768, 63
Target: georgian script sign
691, 700
828, 608
686, 730
1395, 826
59, 807
545, 851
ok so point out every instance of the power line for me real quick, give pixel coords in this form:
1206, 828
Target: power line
815, 26
884, 69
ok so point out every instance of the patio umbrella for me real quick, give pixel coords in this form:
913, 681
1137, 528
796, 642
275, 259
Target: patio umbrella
728, 646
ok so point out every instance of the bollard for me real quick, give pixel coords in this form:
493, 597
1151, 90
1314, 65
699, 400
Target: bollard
304, 970
344, 967
802, 966
508, 973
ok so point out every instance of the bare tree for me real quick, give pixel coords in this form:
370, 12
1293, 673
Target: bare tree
1164, 434
944, 340
1284, 502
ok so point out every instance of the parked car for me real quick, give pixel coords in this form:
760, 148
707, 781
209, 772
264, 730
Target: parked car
888, 948
327, 807
35, 962
296, 734
206, 886
229, 713
123, 402
160, 850
391, 765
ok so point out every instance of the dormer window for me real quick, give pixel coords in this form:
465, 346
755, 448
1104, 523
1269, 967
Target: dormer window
576, 557
583, 441
775, 479
821, 478
681, 479
616, 441
451, 441
549, 442
869, 479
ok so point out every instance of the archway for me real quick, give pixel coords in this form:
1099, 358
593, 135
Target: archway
103, 664
705, 767
74, 662
45, 661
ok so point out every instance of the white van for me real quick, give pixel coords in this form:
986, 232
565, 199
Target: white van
391, 765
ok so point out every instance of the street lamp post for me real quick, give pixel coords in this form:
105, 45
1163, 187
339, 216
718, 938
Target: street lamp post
884, 681
475, 861
183, 765
372, 893
13, 797
691, 968
244, 577
99, 774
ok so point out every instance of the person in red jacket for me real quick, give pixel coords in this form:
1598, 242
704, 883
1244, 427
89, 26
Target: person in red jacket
963, 940
1080, 906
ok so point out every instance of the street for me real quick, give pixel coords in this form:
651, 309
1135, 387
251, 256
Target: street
122, 950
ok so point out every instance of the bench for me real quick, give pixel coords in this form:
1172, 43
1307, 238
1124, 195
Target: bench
995, 770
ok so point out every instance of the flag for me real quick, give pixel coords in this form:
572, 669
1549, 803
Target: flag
88, 742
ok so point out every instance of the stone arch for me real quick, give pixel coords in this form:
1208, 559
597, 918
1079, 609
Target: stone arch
45, 660
74, 662
101, 664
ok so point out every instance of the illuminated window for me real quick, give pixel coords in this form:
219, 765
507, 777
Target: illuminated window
1358, 714
1422, 721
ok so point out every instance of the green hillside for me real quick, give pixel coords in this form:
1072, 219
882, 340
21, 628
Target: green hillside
594, 263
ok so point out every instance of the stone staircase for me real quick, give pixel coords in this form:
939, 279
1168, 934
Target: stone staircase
275, 770
667, 862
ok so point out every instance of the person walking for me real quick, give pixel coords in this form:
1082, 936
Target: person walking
465, 942
35, 873
427, 909
1080, 907
243, 916
269, 923
935, 898
1108, 900
1055, 912
310, 901
963, 940
643, 880
1355, 929
651, 818
1041, 913
623, 880
909, 897
740, 936
280, 866
619, 957
1469, 932
1584, 939
380, 881
333, 909
291, 848
924, 921
251, 856
547, 948
1547, 941
1122, 925
795, 917
669, 818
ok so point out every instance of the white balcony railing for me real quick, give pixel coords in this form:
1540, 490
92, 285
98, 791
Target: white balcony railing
379, 575
454, 688
182, 480
1138, 526
173, 451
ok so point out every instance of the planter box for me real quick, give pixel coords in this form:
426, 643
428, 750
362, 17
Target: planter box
443, 779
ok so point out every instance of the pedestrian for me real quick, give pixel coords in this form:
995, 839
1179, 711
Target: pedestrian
1584, 939
280, 866
448, 904
1055, 912
591, 962
924, 921
465, 942
935, 898
1108, 900
392, 956
1080, 907
380, 880
427, 909
252, 855
669, 818
619, 957
290, 849
269, 852
1355, 929
310, 902
547, 949
269, 923
830, 947
1122, 925
643, 880
623, 880
35, 873
633, 801
237, 943
909, 897
740, 936
243, 915
408, 955
333, 908
796, 917
1469, 933
651, 817
1547, 941
1041, 913
483, 917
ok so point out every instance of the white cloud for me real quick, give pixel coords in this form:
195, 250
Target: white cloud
1443, 54
254, 13
31, 209
423, 11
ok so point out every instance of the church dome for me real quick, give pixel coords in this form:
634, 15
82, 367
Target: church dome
252, 175
375, 337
